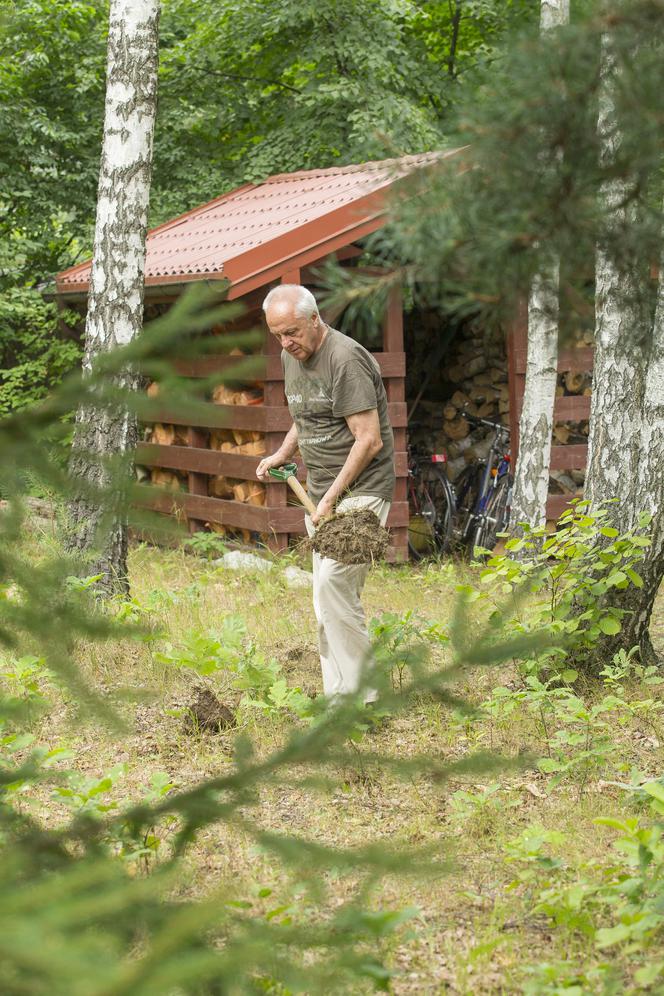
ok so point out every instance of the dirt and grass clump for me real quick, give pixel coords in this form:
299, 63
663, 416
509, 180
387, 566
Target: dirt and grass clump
354, 537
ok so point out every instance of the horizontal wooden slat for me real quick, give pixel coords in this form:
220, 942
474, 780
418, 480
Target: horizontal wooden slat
391, 365
231, 513
259, 418
210, 416
556, 505
569, 408
239, 515
245, 368
202, 461
269, 368
214, 462
568, 359
570, 457
572, 407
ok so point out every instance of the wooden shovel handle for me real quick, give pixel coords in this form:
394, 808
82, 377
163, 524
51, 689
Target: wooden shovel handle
297, 489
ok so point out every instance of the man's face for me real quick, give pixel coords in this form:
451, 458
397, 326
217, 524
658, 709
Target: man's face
300, 337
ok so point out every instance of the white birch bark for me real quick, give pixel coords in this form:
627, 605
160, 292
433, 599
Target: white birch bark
531, 480
115, 300
553, 13
649, 495
626, 439
619, 362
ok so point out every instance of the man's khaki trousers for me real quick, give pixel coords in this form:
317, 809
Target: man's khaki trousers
343, 640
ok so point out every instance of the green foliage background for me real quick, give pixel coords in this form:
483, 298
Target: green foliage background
246, 90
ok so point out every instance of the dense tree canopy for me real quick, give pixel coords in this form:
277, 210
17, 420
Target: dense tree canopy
246, 89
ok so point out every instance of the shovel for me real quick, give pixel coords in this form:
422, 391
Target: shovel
344, 538
288, 474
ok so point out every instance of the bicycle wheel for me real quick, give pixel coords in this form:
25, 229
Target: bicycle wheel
430, 525
495, 517
467, 491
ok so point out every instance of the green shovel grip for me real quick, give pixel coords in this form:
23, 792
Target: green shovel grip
284, 472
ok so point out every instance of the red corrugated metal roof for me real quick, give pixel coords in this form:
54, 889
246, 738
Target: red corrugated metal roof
252, 233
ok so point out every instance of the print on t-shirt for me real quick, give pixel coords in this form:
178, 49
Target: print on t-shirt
341, 379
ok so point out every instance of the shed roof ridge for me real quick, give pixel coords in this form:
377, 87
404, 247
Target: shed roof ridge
374, 165
248, 219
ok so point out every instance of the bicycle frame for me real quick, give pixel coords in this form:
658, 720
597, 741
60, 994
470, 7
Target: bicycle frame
489, 481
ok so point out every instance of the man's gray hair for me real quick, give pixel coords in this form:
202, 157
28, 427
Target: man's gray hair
305, 302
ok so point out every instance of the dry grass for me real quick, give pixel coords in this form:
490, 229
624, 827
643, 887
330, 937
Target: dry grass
472, 935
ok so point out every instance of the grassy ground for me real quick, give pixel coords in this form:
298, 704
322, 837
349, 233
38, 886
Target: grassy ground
475, 931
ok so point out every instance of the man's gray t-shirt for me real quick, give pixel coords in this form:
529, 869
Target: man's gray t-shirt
340, 379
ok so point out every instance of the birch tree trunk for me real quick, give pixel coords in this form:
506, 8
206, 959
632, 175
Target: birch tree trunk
626, 439
648, 495
115, 300
531, 480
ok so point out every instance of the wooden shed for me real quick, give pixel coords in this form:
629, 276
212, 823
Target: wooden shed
280, 231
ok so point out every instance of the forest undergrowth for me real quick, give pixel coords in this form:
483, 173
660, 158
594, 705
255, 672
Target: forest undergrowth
550, 867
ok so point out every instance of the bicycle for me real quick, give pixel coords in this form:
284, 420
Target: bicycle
431, 502
483, 492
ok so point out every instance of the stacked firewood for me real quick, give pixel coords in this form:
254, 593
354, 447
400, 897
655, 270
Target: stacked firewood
165, 434
571, 382
474, 382
245, 442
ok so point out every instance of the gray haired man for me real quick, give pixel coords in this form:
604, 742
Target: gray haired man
341, 426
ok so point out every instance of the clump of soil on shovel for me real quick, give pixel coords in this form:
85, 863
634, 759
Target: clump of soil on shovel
355, 537
206, 712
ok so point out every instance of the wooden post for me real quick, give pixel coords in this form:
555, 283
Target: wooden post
277, 494
517, 342
197, 484
396, 393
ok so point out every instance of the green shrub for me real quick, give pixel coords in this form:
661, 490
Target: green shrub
562, 583
34, 356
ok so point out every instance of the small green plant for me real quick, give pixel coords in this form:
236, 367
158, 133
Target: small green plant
479, 811
26, 677
206, 545
208, 653
626, 666
228, 651
280, 697
616, 904
97, 797
399, 641
562, 582
90, 796
578, 738
82, 584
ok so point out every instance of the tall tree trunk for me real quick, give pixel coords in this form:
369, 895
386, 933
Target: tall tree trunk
531, 481
648, 495
115, 299
553, 13
626, 439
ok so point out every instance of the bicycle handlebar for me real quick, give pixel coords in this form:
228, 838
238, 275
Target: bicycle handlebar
471, 418
485, 421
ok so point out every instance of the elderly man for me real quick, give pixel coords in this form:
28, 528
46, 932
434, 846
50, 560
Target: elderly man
338, 404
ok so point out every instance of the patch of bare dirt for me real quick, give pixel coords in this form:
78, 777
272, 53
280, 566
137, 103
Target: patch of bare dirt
207, 712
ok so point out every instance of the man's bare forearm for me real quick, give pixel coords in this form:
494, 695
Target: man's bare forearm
360, 456
289, 445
